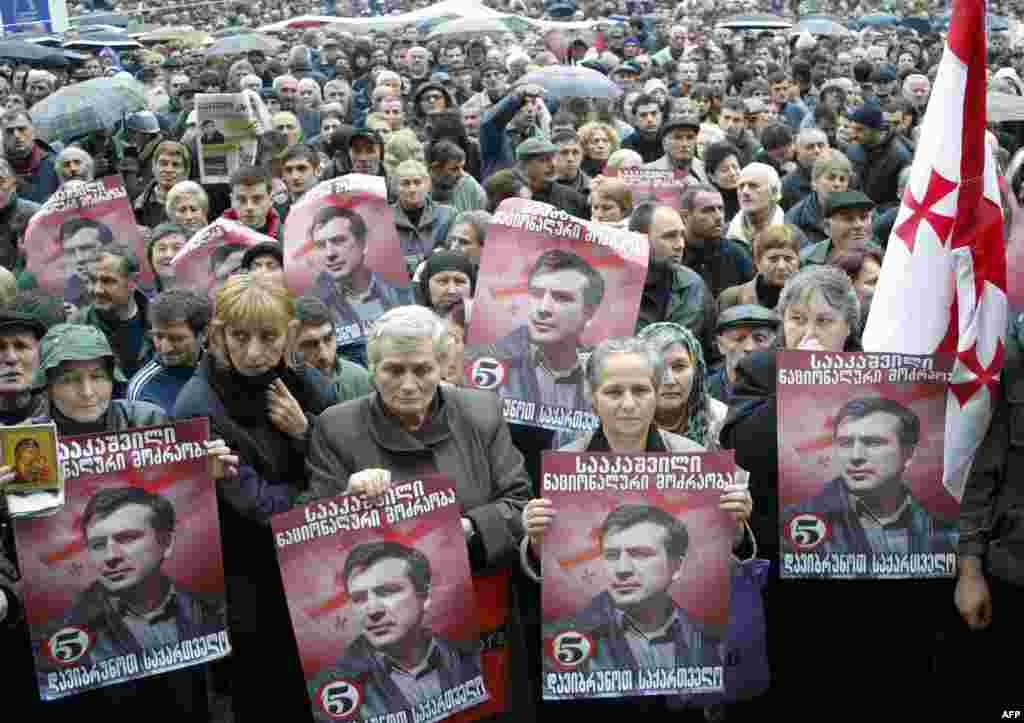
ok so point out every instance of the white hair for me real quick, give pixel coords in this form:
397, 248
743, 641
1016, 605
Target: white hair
765, 170
403, 328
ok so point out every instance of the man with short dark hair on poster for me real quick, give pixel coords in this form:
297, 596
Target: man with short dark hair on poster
397, 660
353, 292
132, 604
81, 242
545, 357
210, 135
867, 507
635, 623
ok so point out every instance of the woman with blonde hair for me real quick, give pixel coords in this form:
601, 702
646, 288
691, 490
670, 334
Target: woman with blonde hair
599, 141
264, 410
611, 202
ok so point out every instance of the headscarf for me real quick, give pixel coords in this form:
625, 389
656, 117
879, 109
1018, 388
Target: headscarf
664, 335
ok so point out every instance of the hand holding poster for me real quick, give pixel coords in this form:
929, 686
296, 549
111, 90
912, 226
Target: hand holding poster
636, 574
378, 589
550, 287
860, 466
227, 136
66, 236
341, 244
139, 534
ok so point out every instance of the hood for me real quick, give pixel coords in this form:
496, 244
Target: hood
432, 86
448, 126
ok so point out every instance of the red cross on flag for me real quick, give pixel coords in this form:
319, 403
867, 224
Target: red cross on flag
943, 281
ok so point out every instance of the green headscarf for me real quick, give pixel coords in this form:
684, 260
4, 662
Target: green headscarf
664, 335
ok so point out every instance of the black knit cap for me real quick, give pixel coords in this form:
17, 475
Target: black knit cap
446, 261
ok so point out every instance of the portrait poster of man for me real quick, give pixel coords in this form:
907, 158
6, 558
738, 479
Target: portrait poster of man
550, 288
214, 254
227, 138
66, 236
341, 243
860, 466
636, 574
126, 580
38, 486
649, 184
382, 604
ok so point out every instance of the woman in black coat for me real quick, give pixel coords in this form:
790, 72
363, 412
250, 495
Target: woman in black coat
263, 410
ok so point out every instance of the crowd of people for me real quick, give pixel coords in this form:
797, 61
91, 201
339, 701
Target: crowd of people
795, 151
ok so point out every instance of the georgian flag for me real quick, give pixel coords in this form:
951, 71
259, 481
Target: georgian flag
943, 281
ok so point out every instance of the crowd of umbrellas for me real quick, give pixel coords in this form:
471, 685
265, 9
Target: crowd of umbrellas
72, 112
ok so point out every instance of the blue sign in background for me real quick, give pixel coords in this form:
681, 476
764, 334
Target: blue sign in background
26, 15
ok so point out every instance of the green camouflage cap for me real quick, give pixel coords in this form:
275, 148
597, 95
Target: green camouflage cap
72, 342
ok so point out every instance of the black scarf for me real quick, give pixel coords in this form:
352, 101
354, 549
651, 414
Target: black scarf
599, 442
68, 427
246, 425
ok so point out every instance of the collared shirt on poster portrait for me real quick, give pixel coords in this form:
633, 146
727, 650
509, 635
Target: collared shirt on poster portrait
421, 683
655, 649
565, 388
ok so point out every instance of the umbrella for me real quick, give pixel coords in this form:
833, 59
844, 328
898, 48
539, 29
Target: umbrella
111, 19
425, 25
21, 52
76, 110
482, 25
918, 23
756, 22
233, 30
117, 41
561, 81
48, 39
878, 20
246, 43
186, 35
821, 25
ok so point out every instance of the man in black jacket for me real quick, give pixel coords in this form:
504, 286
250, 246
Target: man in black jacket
535, 160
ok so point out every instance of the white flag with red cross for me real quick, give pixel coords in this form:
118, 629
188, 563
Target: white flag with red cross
943, 281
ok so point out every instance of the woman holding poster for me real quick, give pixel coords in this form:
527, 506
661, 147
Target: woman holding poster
414, 425
259, 406
625, 376
77, 371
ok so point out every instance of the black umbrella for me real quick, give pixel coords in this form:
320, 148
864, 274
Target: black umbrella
756, 22
119, 21
21, 52
117, 41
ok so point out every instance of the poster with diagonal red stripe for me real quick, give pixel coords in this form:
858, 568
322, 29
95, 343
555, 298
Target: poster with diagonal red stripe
861, 440
635, 570
127, 579
383, 604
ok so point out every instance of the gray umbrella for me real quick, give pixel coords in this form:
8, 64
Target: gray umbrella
247, 43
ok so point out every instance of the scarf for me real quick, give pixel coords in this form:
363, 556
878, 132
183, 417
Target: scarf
246, 423
28, 165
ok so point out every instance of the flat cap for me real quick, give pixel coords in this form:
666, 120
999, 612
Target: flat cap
746, 315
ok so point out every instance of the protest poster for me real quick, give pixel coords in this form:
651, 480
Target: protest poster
341, 243
214, 254
31, 451
550, 287
66, 236
638, 540
139, 532
227, 135
860, 466
649, 184
379, 585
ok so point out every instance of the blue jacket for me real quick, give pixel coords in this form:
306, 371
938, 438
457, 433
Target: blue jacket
806, 216
928, 534
695, 646
418, 241
497, 147
159, 385
455, 663
45, 179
